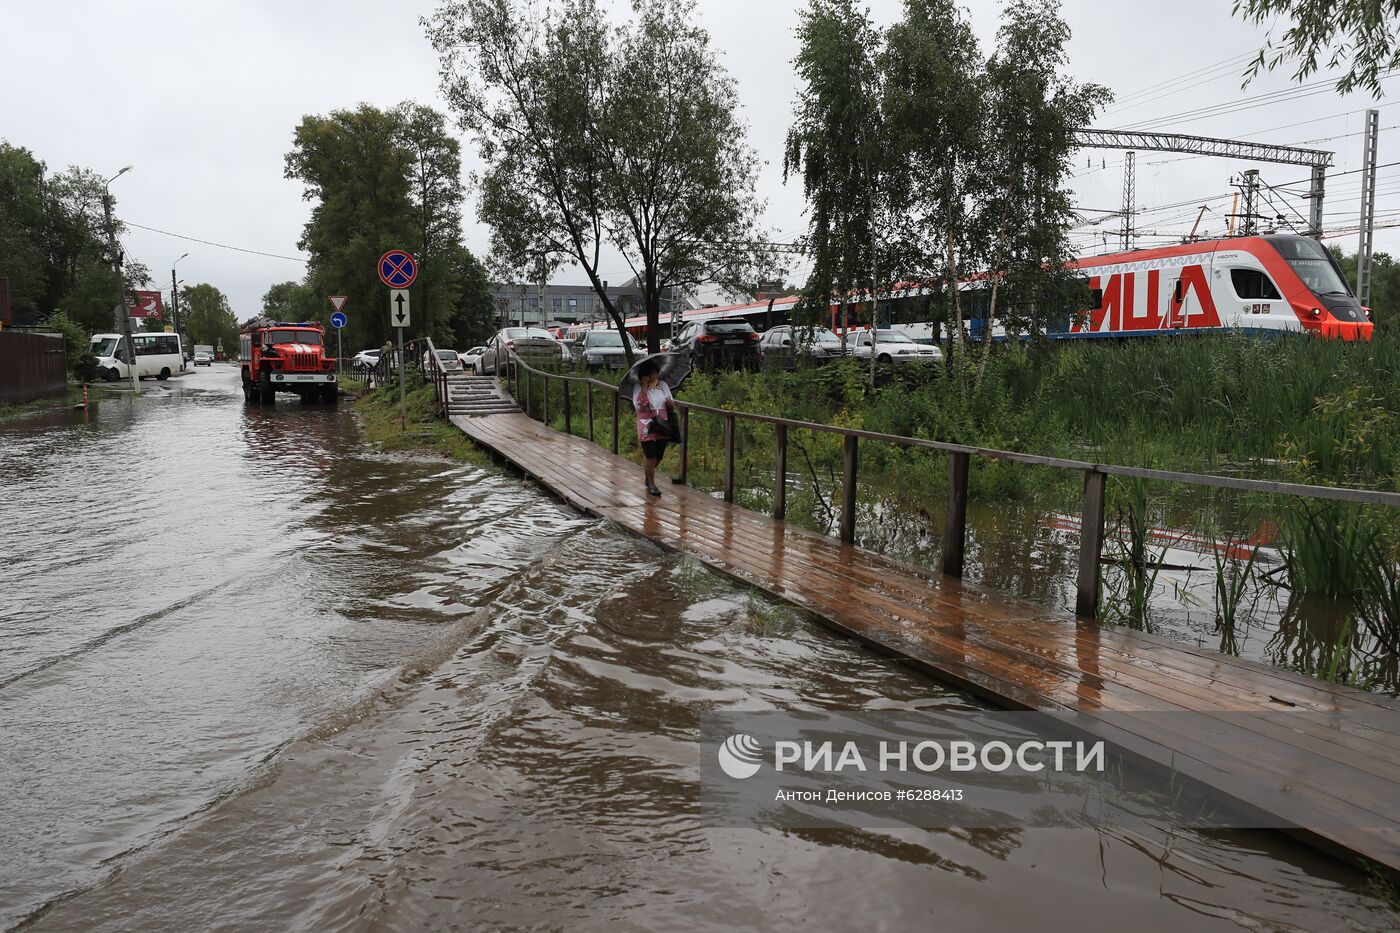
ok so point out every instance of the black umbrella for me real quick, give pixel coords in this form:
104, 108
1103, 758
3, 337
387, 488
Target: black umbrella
674, 367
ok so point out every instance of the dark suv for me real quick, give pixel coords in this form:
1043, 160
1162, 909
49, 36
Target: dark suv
728, 343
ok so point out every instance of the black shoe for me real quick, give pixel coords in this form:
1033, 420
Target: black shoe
653, 490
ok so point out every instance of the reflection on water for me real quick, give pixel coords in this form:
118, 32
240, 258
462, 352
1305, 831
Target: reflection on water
255, 675
1032, 552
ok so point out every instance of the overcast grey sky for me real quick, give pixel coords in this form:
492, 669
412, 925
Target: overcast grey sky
203, 96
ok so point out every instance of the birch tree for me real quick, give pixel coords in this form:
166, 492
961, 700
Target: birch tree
935, 111
834, 145
1022, 204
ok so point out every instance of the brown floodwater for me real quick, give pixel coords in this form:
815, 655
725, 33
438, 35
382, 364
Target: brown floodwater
257, 675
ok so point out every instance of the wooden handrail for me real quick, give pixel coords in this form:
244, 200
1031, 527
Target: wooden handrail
1095, 474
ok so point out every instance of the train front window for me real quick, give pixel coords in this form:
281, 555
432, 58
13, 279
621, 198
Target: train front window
1253, 285
1314, 266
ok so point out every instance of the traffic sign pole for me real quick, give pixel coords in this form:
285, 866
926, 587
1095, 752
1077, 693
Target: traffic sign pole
397, 270
338, 321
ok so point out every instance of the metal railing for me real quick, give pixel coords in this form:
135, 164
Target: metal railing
421, 354
1091, 539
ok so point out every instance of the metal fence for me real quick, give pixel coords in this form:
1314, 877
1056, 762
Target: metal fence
32, 366
960, 457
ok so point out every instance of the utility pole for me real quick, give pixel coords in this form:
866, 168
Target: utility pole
1129, 196
175, 297
1250, 187
121, 287
1368, 210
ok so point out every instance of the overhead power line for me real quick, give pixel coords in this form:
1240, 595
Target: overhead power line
237, 249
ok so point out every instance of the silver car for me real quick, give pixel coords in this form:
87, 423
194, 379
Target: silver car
534, 345
448, 361
892, 348
603, 349
786, 341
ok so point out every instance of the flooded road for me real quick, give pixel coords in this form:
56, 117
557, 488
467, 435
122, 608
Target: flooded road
255, 675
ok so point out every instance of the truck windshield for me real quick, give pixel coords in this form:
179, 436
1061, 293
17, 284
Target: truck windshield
104, 346
294, 336
1313, 265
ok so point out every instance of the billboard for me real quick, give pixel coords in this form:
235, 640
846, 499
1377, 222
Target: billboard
145, 304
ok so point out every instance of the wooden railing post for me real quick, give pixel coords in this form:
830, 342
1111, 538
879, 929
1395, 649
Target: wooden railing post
529, 394
780, 474
545, 398
955, 523
590, 411
617, 415
685, 444
729, 458
516, 365
568, 413
848, 491
1090, 544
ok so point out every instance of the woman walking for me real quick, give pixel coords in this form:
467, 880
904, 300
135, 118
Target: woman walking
656, 425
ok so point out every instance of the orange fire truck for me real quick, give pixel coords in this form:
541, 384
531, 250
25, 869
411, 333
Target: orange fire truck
276, 356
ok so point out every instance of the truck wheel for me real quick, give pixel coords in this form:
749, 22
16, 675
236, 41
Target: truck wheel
331, 394
267, 395
164, 373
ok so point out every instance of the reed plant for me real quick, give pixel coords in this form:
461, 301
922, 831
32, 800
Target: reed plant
1233, 579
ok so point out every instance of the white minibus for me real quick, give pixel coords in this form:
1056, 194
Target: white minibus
157, 355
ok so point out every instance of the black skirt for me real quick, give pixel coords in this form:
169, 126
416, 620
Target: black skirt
654, 450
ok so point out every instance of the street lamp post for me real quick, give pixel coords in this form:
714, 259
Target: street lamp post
121, 287
175, 297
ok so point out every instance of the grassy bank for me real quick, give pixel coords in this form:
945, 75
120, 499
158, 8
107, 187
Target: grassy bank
426, 431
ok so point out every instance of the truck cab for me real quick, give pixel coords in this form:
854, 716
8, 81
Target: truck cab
277, 356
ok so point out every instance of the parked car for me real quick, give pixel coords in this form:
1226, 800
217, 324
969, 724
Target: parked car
783, 344
365, 359
730, 343
448, 361
471, 357
571, 346
892, 347
603, 349
531, 344
203, 358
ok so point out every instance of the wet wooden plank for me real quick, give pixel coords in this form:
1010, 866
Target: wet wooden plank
1022, 656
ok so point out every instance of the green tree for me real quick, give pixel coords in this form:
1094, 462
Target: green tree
834, 144
1385, 285
935, 104
1358, 35
293, 301
23, 231
208, 317
1023, 205
597, 135
473, 319
435, 192
357, 172
680, 198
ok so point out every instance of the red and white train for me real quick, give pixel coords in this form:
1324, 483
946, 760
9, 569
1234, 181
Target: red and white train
1275, 283
1260, 283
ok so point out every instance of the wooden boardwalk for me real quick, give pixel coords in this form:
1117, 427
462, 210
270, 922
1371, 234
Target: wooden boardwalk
1333, 775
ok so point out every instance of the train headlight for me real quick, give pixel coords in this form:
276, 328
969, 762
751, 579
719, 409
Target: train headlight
1317, 312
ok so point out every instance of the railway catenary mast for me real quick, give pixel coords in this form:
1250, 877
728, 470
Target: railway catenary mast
1318, 160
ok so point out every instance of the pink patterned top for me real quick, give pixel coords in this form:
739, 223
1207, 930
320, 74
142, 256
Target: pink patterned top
650, 404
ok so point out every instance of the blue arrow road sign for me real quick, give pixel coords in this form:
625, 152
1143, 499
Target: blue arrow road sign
339, 320
397, 269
